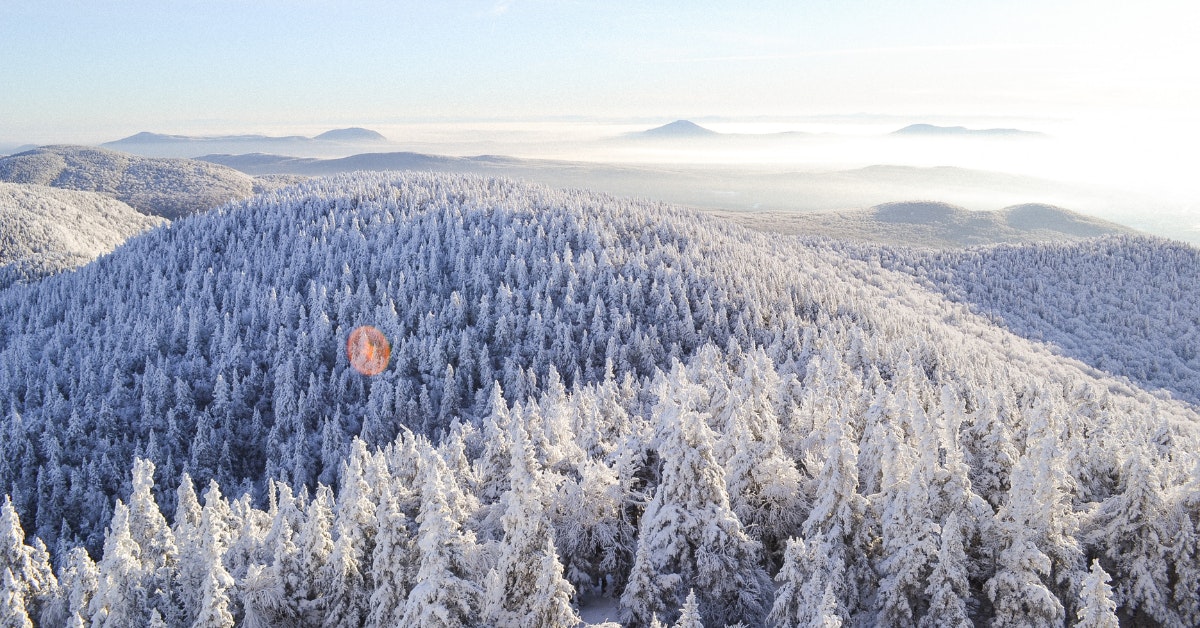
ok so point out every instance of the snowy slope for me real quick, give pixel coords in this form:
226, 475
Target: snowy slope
159, 187
935, 225
46, 230
581, 389
1125, 305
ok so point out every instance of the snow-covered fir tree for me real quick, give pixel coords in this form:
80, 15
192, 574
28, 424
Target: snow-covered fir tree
691, 536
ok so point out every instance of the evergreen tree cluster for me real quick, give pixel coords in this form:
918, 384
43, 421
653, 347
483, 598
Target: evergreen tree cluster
592, 395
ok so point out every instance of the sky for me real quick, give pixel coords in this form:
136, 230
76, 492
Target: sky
95, 70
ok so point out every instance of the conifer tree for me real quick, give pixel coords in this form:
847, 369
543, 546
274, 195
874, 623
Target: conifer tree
391, 560
909, 534
315, 545
835, 527
809, 583
343, 600
157, 551
120, 599
526, 587
191, 569
1132, 526
445, 594
1019, 589
1185, 549
32, 579
689, 615
13, 613
214, 602
692, 537
78, 577
763, 483
1096, 606
949, 586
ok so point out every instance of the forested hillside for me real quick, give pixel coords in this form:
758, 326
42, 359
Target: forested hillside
45, 230
1125, 305
934, 225
585, 394
169, 188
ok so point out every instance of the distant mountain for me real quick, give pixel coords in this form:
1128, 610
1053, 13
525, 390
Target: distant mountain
678, 129
352, 134
960, 131
44, 230
684, 130
13, 149
146, 137
936, 225
161, 187
165, 145
264, 163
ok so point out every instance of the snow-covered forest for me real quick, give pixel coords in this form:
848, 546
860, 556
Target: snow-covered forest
44, 230
586, 395
169, 188
1126, 305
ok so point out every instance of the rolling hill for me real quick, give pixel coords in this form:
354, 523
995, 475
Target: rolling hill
169, 188
46, 230
931, 224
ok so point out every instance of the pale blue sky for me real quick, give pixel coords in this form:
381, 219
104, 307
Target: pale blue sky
92, 70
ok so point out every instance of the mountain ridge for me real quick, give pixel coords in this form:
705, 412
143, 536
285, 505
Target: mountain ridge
931, 130
349, 134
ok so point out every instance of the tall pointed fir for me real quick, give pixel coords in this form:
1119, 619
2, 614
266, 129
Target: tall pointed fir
492, 468
1019, 589
343, 603
13, 613
156, 543
315, 543
689, 615
1096, 606
835, 532
445, 595
527, 588
33, 580
689, 536
215, 535
1185, 550
272, 593
949, 587
909, 534
809, 581
762, 482
1132, 529
120, 598
391, 560
348, 572
78, 577
190, 568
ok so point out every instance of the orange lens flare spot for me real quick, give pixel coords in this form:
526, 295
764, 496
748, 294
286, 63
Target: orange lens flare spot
368, 350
